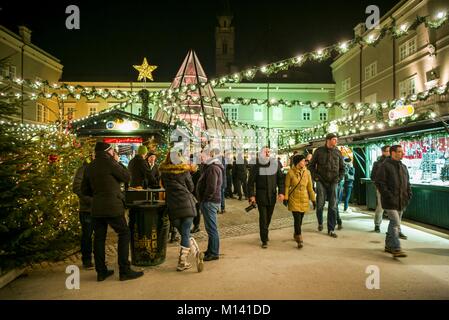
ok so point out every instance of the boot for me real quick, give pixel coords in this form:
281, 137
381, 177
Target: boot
196, 252
298, 239
183, 264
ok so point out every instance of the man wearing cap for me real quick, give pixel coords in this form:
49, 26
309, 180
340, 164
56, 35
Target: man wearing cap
327, 170
139, 169
101, 181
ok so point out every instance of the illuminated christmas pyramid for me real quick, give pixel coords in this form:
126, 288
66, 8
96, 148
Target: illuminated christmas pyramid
198, 107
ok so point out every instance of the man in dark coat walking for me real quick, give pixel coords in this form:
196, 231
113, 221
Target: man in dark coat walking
392, 181
265, 182
239, 175
101, 181
85, 216
328, 169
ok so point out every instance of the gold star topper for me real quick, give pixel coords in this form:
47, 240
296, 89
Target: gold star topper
145, 70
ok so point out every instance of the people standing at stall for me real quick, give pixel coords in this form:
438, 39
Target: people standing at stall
298, 194
265, 182
101, 181
179, 187
139, 169
393, 183
209, 195
153, 179
85, 215
379, 210
327, 170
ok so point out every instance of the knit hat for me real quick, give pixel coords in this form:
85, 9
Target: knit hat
297, 158
331, 136
142, 150
102, 146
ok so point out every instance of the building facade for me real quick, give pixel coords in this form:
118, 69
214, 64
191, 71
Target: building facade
23, 60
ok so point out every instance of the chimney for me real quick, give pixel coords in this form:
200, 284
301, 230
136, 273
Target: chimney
359, 29
25, 33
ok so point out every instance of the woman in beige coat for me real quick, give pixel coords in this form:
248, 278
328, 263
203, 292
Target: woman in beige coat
298, 193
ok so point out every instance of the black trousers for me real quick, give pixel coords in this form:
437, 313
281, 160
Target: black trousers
297, 217
265, 214
118, 224
87, 231
197, 219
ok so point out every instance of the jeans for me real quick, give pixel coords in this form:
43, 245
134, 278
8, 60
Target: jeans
394, 227
184, 225
265, 214
223, 198
297, 217
119, 225
87, 231
328, 193
209, 210
347, 192
340, 188
379, 210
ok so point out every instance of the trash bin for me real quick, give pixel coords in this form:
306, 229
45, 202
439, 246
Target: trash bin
149, 225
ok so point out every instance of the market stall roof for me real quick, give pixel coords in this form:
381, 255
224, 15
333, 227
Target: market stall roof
118, 123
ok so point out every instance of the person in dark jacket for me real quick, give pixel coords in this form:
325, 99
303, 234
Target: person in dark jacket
239, 176
101, 181
209, 195
379, 210
181, 205
392, 181
85, 216
327, 170
265, 182
195, 177
140, 171
229, 178
154, 177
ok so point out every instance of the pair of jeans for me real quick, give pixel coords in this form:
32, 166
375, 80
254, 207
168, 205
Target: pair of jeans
379, 210
347, 193
87, 232
297, 217
184, 225
118, 224
210, 210
394, 227
329, 193
340, 188
265, 214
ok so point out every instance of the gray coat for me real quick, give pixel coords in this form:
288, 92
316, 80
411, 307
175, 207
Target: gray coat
101, 181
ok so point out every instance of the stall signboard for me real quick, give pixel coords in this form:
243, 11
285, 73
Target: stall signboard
401, 111
123, 140
122, 125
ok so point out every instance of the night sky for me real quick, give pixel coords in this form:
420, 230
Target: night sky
114, 36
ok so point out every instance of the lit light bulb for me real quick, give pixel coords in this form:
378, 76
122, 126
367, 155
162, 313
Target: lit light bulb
441, 15
319, 52
263, 69
403, 27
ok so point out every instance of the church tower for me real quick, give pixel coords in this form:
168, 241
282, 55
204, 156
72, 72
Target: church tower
224, 42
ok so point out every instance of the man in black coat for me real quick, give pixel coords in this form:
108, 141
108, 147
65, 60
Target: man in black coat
392, 181
327, 169
154, 176
140, 170
379, 210
85, 216
265, 182
101, 181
